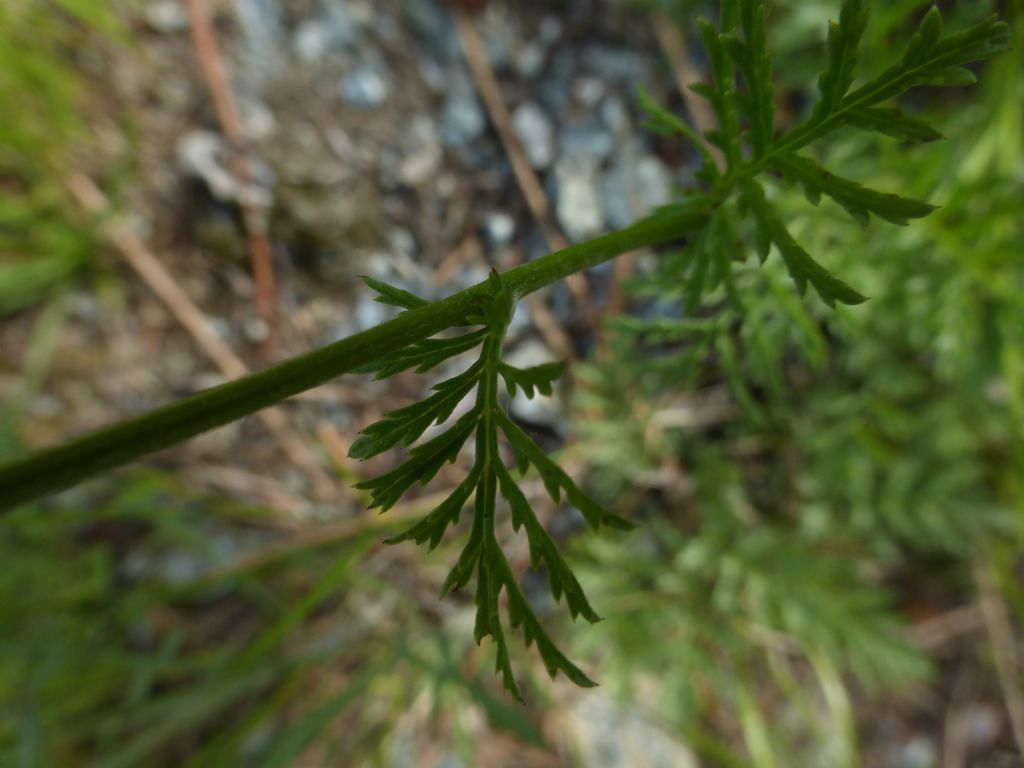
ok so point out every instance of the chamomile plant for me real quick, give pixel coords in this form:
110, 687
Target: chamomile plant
728, 203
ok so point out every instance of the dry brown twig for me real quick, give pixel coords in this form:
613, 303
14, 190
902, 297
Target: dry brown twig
1004, 650
685, 72
934, 633
192, 319
526, 179
215, 74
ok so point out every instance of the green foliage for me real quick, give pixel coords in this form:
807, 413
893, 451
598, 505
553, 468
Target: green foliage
794, 465
741, 47
802, 268
857, 200
737, 326
143, 652
487, 479
41, 244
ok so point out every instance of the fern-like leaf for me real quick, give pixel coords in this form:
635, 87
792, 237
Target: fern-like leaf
407, 424
931, 59
738, 46
751, 57
393, 296
661, 121
843, 54
859, 201
482, 556
721, 93
892, 122
424, 355
802, 268
539, 378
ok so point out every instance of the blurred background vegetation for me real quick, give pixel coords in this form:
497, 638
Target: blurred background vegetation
827, 566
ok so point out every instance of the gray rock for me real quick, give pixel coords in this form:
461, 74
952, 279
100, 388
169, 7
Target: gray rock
615, 738
919, 752
366, 87
982, 723
578, 205
636, 183
259, 120
463, 118
387, 28
587, 142
421, 152
529, 59
432, 25
319, 36
589, 91
468, 276
535, 133
255, 330
501, 35
166, 16
621, 65
550, 30
370, 313
433, 75
262, 26
402, 241
521, 321
555, 90
616, 116
203, 155
311, 41
500, 228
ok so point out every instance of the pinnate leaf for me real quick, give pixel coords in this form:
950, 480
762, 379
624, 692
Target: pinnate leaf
555, 479
802, 268
432, 527
424, 355
721, 93
859, 201
929, 59
423, 463
481, 556
843, 54
539, 378
928, 33
753, 60
543, 550
395, 297
894, 123
405, 425
661, 121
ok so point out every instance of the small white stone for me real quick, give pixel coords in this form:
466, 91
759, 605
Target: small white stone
589, 91
535, 133
256, 330
530, 60
579, 206
167, 16
500, 228
365, 87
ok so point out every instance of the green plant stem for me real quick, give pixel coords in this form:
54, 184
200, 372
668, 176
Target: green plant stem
53, 469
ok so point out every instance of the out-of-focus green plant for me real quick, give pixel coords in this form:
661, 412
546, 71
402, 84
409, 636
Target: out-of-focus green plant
797, 461
731, 582
42, 243
129, 639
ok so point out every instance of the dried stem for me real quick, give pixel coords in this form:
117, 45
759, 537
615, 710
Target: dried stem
219, 84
